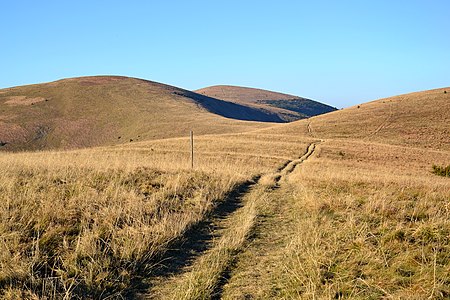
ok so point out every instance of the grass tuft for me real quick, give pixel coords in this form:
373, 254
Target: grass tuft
441, 171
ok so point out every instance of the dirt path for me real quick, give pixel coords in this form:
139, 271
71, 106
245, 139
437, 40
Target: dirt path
310, 131
259, 269
194, 242
291, 166
385, 122
203, 265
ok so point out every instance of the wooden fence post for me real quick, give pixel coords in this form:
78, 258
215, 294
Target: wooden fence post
192, 149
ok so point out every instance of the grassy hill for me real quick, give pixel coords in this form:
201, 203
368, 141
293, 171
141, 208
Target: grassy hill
343, 205
417, 119
364, 217
288, 107
106, 110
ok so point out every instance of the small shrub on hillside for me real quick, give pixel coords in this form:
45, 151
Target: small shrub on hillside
441, 171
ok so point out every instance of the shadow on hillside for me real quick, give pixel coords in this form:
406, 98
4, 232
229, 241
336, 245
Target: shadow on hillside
232, 110
306, 107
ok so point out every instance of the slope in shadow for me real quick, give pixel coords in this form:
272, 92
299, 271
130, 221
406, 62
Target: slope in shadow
231, 110
303, 106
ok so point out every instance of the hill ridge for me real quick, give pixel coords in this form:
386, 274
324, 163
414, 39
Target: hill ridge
103, 110
416, 119
225, 86
288, 107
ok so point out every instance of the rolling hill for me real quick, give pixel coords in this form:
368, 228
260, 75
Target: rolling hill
288, 107
107, 110
257, 216
417, 119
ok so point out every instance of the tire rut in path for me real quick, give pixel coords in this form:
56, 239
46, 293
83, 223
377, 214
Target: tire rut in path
199, 239
385, 123
194, 242
309, 128
290, 166
285, 170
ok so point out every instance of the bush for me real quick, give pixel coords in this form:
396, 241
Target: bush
441, 171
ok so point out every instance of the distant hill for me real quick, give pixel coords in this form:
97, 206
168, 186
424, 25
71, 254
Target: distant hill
419, 119
107, 110
287, 107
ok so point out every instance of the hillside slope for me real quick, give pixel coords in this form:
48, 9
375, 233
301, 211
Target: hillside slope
105, 110
216, 231
418, 119
288, 107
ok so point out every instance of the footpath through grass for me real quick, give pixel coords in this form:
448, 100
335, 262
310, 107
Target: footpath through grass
350, 227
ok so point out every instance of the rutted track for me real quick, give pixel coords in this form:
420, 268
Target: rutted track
385, 123
209, 241
270, 222
283, 172
309, 127
290, 167
193, 243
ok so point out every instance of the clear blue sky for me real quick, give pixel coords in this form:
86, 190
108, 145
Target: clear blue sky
338, 52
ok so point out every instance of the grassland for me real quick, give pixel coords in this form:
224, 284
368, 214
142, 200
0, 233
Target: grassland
339, 212
417, 120
109, 110
351, 224
87, 231
87, 223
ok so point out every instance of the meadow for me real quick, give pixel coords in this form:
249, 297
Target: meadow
357, 220
86, 223
345, 205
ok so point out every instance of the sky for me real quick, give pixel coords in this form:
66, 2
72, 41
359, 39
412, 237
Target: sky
338, 52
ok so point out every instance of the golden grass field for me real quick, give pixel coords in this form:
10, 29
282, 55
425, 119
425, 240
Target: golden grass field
418, 120
339, 206
352, 224
85, 222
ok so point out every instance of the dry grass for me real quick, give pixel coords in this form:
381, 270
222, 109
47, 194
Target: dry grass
393, 229
107, 110
358, 220
87, 222
75, 231
23, 100
416, 120
363, 217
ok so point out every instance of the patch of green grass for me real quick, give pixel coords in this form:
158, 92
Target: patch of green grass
441, 171
304, 107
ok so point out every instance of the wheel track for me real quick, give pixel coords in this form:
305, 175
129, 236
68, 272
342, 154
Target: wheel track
284, 171
290, 167
198, 240
385, 122
310, 131
194, 242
